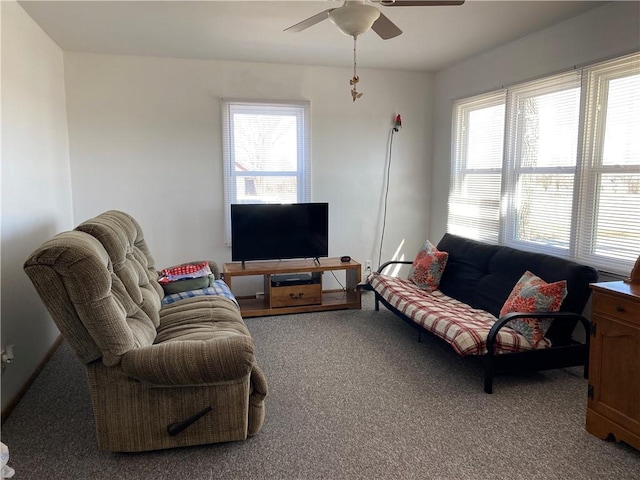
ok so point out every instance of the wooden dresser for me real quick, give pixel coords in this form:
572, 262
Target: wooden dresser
614, 363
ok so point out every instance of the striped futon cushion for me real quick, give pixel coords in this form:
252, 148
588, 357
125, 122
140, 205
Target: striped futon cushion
463, 327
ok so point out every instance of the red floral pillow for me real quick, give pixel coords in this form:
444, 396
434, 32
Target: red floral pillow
530, 295
426, 270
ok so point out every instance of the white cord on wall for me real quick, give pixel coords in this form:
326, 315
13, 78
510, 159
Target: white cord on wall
386, 188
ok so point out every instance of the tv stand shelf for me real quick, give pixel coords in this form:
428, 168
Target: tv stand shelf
308, 297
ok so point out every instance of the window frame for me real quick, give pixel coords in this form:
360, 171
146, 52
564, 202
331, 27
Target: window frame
301, 111
513, 169
592, 167
460, 148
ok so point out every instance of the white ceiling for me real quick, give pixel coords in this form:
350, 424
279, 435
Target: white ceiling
433, 38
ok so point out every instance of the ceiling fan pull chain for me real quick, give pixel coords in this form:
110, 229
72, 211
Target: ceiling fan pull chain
354, 93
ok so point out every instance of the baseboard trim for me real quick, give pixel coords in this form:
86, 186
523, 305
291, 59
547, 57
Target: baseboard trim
13, 403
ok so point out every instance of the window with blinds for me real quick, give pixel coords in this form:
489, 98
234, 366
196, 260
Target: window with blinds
553, 165
542, 143
609, 200
266, 153
474, 200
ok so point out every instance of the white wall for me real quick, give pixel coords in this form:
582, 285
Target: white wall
613, 29
36, 184
145, 137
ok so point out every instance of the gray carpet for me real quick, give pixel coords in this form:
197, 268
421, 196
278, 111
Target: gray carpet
352, 396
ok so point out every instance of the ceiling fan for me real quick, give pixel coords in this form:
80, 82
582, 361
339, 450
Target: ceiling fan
355, 17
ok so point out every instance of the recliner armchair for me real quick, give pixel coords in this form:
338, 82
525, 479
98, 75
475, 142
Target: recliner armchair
160, 376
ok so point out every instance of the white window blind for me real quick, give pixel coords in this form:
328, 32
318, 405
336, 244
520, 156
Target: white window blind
568, 177
474, 201
609, 236
540, 163
265, 153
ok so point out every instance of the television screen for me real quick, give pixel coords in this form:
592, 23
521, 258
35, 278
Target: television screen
279, 231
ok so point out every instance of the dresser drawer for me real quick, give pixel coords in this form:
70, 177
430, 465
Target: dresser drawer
296, 295
616, 307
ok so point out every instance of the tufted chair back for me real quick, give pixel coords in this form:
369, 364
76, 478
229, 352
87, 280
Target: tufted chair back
100, 283
122, 238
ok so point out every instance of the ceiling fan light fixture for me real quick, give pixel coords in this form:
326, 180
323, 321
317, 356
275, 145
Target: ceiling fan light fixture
354, 19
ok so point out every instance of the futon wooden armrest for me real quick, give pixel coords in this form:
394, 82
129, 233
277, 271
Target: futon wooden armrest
393, 262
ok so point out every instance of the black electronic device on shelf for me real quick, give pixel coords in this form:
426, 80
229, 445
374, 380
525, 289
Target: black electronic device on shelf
292, 279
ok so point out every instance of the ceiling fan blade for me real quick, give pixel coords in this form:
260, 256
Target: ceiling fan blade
420, 3
309, 22
385, 28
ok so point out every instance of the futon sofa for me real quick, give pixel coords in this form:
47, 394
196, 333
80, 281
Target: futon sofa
464, 309
164, 370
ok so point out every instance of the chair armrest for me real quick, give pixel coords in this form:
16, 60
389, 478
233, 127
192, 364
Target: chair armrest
557, 316
259, 388
393, 262
190, 362
214, 269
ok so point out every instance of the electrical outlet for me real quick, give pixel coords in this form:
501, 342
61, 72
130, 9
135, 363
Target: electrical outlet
6, 355
367, 266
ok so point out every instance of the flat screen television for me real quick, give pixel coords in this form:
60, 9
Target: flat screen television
266, 231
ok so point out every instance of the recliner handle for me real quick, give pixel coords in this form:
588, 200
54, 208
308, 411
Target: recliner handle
175, 428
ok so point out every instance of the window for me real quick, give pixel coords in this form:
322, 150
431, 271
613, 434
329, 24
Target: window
553, 165
609, 205
474, 201
266, 153
542, 126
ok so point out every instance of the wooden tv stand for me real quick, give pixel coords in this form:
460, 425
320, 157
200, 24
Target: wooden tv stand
285, 298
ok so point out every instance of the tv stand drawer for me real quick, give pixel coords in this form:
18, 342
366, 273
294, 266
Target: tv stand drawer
293, 295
